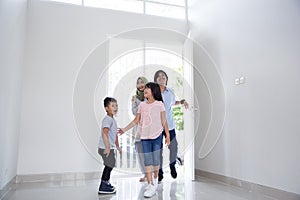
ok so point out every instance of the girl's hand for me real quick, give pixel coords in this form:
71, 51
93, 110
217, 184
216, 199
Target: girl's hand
167, 141
120, 150
106, 152
120, 131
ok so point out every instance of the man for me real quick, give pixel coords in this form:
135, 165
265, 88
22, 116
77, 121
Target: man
168, 96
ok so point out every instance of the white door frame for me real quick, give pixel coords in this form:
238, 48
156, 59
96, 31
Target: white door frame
189, 159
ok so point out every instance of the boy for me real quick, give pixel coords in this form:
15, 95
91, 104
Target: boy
107, 144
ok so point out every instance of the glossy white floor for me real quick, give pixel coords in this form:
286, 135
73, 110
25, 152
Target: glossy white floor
128, 187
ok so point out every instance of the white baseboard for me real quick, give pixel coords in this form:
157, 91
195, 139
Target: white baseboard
264, 190
54, 177
67, 176
8, 188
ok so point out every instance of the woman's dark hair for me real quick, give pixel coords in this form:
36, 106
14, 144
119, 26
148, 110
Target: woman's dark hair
157, 74
155, 90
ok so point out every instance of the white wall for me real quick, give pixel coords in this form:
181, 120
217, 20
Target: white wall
60, 38
259, 40
12, 35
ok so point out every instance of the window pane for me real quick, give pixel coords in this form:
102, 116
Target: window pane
123, 5
165, 10
76, 2
163, 57
169, 62
129, 56
120, 68
172, 2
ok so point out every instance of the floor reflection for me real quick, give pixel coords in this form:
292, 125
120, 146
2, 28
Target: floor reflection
129, 187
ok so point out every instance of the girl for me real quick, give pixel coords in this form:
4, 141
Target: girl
136, 100
151, 117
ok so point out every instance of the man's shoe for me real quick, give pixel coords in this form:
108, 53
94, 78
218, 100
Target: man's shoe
173, 172
160, 177
106, 188
179, 160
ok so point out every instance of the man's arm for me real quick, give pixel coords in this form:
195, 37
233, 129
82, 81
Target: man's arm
182, 102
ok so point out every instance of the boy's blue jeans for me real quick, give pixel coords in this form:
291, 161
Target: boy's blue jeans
152, 151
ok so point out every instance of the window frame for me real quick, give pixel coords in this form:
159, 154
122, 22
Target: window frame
144, 7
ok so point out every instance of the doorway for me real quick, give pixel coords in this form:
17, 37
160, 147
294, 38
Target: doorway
130, 59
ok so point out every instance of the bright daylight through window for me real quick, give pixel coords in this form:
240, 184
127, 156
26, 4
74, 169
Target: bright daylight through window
165, 8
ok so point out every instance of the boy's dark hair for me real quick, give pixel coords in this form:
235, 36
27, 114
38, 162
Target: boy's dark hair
108, 100
157, 73
155, 89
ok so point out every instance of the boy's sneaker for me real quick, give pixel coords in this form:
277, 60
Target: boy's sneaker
149, 191
160, 177
108, 183
106, 188
173, 172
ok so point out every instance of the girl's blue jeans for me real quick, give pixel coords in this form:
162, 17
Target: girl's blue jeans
151, 150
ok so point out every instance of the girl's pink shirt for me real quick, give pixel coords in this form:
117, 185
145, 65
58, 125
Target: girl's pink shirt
150, 125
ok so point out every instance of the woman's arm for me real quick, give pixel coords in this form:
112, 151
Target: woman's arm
134, 105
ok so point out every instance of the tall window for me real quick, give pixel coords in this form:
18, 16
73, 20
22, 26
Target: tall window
165, 8
123, 5
76, 2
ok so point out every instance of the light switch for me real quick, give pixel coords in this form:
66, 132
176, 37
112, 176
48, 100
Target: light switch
237, 81
242, 80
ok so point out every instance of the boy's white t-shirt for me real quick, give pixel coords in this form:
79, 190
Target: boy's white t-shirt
111, 124
150, 125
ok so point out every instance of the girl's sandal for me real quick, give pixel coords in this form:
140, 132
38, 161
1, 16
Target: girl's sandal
143, 179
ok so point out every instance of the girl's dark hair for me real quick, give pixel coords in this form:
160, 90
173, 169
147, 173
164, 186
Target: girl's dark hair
107, 101
155, 89
157, 73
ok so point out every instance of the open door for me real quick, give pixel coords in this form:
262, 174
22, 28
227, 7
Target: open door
189, 113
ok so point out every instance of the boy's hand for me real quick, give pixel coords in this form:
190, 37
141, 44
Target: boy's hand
120, 131
133, 137
106, 152
167, 141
